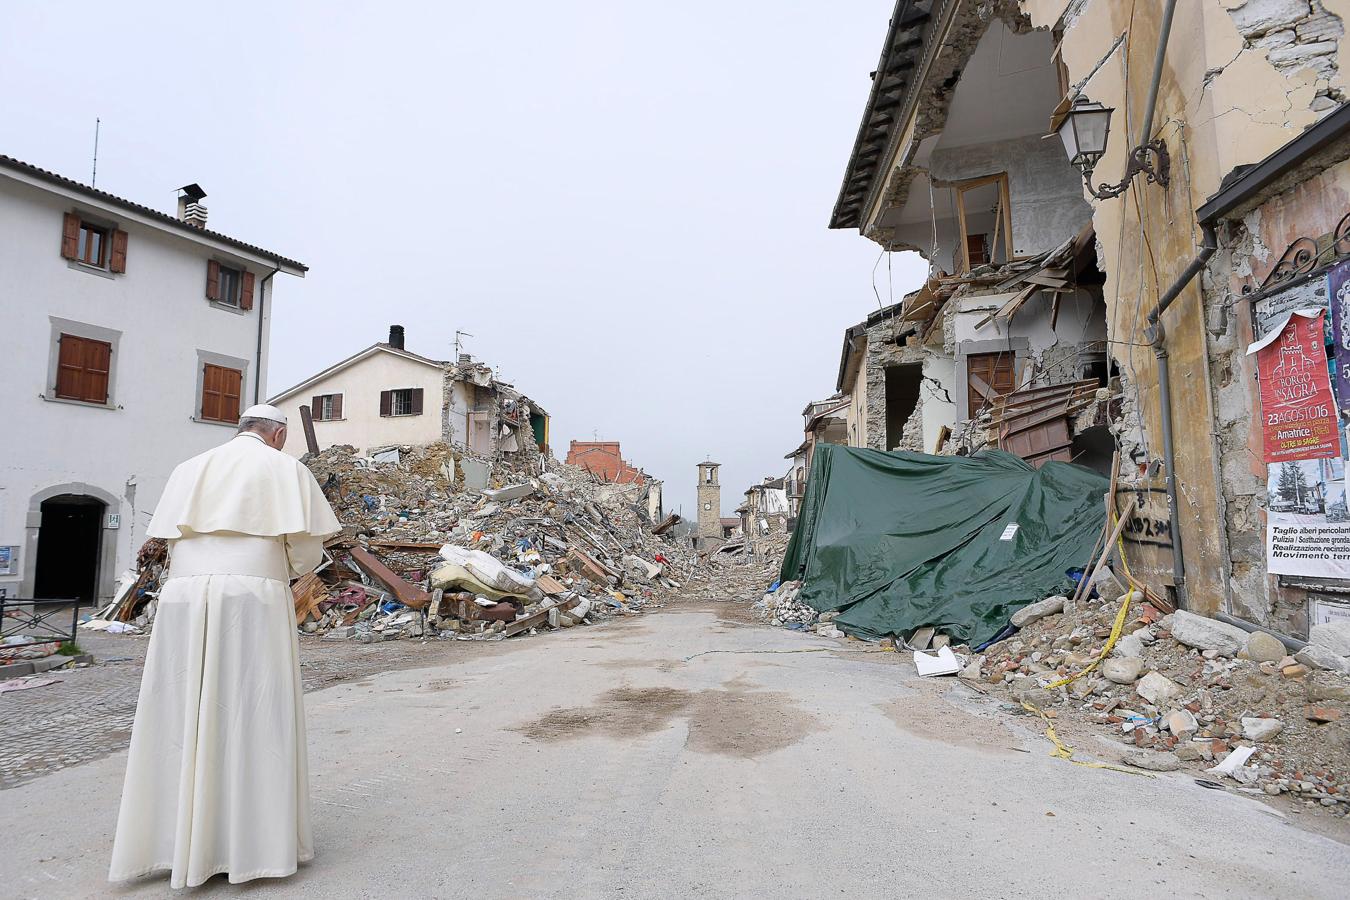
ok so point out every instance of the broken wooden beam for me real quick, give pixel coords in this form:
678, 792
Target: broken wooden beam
538, 618
405, 593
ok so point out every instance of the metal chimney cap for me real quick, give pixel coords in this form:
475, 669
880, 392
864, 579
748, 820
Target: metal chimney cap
192, 191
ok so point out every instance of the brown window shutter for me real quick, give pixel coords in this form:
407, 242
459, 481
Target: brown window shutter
211, 392
97, 365
70, 368
386, 403
212, 280
416, 401
118, 262
337, 406
316, 407
70, 236
246, 292
231, 391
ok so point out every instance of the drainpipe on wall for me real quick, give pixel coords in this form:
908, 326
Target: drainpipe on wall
257, 362
1157, 336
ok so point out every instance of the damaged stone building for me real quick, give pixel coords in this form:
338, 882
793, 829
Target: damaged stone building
1124, 208
386, 395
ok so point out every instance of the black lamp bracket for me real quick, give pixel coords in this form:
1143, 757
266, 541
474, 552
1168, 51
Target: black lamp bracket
1151, 159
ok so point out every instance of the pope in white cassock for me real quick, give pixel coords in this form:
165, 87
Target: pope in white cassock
217, 777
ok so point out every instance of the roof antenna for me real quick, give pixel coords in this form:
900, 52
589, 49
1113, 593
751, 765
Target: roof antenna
93, 181
459, 343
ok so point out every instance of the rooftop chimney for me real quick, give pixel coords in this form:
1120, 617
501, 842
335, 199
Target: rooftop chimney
396, 337
190, 209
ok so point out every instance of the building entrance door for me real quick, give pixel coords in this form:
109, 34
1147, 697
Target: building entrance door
68, 548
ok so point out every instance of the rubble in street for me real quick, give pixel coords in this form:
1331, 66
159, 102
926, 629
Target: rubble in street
543, 546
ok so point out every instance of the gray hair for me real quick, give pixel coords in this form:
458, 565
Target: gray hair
268, 427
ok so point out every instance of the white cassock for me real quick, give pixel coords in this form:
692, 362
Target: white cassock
217, 776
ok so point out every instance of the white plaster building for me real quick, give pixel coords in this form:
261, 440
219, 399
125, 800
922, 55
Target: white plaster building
386, 395
379, 396
131, 339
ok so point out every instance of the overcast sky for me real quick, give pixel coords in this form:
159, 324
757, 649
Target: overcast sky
625, 203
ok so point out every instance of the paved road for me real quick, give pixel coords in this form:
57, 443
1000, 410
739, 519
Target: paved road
606, 762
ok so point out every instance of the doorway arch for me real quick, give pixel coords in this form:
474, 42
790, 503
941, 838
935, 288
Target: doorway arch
66, 529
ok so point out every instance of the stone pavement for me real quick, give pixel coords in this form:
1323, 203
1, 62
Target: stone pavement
88, 714
688, 754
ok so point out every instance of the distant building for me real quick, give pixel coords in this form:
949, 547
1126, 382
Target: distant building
605, 460
710, 531
131, 340
386, 395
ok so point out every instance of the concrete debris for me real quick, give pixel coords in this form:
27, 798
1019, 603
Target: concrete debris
1194, 696
1122, 670
1157, 689
423, 555
1153, 762
1039, 610
1207, 634
1332, 636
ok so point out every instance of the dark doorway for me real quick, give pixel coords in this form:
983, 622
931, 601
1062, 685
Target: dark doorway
1095, 448
902, 395
68, 548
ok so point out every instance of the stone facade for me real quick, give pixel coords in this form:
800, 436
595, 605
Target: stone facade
709, 502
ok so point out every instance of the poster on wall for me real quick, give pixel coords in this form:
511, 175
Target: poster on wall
1269, 313
1338, 282
1298, 410
1307, 520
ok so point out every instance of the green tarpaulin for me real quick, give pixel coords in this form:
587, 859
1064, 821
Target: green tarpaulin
902, 540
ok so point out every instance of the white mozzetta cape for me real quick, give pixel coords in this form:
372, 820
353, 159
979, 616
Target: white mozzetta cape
244, 487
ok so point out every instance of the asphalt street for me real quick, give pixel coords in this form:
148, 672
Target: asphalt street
691, 754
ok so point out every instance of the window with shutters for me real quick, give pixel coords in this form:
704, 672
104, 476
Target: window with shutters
229, 286
326, 407
82, 369
221, 389
988, 376
984, 212
97, 245
401, 402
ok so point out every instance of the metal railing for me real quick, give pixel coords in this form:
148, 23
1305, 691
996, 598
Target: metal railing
21, 616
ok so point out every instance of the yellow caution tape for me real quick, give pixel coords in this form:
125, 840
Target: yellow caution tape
1066, 753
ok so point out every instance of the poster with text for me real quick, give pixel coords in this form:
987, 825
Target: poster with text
1298, 410
1338, 281
1307, 520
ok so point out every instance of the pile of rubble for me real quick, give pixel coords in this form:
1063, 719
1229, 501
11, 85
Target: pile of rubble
737, 572
534, 545
1185, 689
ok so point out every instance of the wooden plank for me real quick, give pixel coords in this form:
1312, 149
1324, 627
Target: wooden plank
407, 545
550, 585
539, 618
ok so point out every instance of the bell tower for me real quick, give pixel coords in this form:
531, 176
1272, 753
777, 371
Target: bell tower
709, 502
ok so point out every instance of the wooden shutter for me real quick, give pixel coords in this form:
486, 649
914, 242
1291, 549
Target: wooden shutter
70, 236
416, 401
82, 368
212, 280
316, 407
246, 292
118, 261
232, 388
386, 403
70, 368
337, 406
988, 375
211, 379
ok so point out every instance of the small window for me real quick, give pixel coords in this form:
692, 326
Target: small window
82, 369
230, 281
221, 389
401, 402
326, 407
93, 245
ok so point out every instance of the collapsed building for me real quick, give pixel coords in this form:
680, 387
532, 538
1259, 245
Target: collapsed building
387, 396
1146, 328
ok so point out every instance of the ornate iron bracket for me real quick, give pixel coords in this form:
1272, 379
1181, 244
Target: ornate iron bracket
1157, 173
1302, 257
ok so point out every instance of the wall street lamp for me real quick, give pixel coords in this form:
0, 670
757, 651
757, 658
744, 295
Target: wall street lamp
1084, 131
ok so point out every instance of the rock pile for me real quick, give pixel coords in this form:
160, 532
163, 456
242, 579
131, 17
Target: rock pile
1186, 689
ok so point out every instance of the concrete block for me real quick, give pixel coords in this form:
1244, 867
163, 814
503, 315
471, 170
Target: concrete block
16, 670
510, 492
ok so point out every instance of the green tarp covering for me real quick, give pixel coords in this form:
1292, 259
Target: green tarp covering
902, 540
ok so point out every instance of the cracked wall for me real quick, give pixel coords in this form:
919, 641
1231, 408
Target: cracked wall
1250, 246
1234, 89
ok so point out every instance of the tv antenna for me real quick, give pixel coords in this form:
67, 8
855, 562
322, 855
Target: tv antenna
459, 344
93, 180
